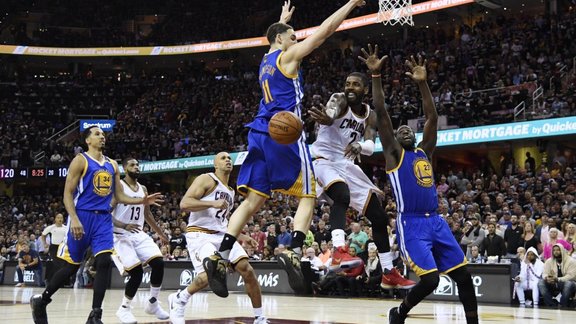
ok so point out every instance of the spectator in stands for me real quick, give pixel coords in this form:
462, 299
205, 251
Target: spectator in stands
322, 234
258, 236
493, 245
529, 239
559, 276
512, 237
475, 256
29, 260
315, 263
473, 234
347, 278
284, 238
357, 239
177, 239
553, 239
372, 276
271, 236
531, 269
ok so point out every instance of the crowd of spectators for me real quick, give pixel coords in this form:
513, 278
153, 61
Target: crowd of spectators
194, 111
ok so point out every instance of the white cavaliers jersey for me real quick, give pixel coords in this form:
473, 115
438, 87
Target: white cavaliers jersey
332, 140
212, 219
130, 214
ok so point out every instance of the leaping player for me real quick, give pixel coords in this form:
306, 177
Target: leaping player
347, 130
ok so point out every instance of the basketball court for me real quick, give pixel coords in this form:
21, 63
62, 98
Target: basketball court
71, 306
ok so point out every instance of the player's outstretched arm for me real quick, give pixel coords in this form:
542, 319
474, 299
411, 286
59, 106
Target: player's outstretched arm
384, 123
419, 75
122, 198
300, 50
287, 12
202, 185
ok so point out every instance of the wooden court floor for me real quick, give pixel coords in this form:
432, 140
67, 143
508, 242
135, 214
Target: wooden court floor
71, 306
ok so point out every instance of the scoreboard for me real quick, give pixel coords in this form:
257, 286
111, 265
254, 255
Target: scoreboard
33, 173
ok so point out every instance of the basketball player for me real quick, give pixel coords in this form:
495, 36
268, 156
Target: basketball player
135, 248
91, 182
209, 201
57, 232
347, 130
271, 166
425, 239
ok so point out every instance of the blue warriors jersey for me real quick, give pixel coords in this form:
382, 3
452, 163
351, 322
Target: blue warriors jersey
96, 186
412, 182
281, 91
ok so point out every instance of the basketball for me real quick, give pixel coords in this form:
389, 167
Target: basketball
285, 127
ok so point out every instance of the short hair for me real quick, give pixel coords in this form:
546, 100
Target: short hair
88, 131
362, 77
126, 159
275, 29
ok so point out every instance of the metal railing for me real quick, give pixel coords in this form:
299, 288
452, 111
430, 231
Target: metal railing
520, 110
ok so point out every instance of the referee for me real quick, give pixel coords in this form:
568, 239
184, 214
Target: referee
57, 232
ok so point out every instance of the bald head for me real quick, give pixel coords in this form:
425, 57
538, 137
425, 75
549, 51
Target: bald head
223, 162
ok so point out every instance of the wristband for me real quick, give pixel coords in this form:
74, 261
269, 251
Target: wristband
367, 147
376, 75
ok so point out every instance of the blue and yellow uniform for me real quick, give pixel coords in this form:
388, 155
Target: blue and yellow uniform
424, 237
270, 166
92, 201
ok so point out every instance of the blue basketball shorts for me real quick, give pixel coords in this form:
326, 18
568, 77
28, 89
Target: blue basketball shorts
427, 243
97, 233
270, 166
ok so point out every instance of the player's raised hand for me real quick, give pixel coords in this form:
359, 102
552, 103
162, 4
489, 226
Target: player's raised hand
319, 115
220, 204
76, 228
359, 3
371, 59
417, 69
287, 12
154, 199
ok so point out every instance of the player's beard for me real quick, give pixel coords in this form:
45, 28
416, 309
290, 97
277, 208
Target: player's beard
133, 175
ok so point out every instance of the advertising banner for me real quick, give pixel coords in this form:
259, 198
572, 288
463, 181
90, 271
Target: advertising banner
105, 124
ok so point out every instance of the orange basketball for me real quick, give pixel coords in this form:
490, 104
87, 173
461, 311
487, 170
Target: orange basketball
285, 127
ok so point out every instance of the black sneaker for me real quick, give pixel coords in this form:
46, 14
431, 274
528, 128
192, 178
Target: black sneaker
38, 306
290, 262
95, 316
394, 317
216, 269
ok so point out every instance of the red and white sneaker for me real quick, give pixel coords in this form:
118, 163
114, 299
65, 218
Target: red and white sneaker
393, 279
342, 260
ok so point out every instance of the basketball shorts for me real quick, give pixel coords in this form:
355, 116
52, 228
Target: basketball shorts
202, 245
427, 243
329, 172
270, 166
97, 234
134, 249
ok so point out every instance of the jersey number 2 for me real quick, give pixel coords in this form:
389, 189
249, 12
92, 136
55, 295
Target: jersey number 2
221, 214
135, 213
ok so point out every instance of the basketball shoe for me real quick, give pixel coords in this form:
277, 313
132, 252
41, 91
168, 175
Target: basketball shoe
290, 262
394, 317
153, 308
393, 279
38, 305
342, 260
261, 320
95, 316
216, 269
177, 309
124, 314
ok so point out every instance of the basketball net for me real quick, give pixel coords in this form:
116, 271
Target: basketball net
394, 12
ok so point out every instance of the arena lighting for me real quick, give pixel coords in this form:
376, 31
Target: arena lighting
417, 9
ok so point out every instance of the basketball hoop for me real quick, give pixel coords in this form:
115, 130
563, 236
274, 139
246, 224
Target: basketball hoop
394, 12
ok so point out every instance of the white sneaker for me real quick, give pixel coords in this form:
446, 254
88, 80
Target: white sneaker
125, 316
177, 309
156, 309
261, 320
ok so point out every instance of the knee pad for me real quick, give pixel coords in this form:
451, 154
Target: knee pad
339, 193
157, 275
156, 263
